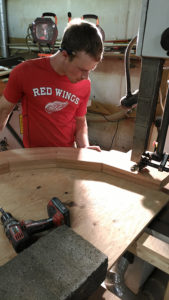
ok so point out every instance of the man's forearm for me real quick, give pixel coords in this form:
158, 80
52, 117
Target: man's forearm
5, 110
82, 140
3, 121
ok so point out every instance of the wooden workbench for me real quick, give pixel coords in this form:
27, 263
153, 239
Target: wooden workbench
109, 206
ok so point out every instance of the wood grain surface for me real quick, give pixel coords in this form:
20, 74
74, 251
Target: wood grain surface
108, 210
152, 250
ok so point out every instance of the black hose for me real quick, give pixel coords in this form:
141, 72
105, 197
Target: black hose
130, 99
127, 65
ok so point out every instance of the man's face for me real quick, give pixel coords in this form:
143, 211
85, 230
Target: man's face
79, 68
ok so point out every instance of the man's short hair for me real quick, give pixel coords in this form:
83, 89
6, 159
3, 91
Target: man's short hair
80, 35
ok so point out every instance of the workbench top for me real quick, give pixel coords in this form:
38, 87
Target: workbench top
109, 206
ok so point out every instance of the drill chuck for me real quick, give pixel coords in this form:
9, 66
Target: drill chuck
14, 231
5, 216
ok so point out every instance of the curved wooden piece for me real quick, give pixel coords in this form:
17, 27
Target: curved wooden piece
109, 162
108, 205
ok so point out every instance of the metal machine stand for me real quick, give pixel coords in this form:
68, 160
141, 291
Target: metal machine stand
147, 101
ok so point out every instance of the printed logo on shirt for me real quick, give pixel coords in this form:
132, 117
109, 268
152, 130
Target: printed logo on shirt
55, 106
48, 91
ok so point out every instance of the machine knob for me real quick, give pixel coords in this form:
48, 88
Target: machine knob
165, 40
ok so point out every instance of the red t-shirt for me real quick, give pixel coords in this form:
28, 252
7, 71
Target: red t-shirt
50, 103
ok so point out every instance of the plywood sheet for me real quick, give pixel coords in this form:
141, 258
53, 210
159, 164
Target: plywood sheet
108, 211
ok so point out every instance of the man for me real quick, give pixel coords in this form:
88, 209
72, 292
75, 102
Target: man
54, 90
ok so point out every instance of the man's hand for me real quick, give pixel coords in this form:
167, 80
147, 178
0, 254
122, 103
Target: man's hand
97, 148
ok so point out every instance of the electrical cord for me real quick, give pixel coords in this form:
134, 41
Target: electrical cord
114, 135
28, 37
112, 121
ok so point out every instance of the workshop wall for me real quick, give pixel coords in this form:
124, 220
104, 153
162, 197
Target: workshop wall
118, 18
108, 80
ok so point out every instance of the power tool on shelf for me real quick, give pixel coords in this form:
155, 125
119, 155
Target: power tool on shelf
20, 233
44, 33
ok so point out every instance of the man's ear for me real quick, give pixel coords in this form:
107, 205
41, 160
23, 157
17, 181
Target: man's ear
64, 53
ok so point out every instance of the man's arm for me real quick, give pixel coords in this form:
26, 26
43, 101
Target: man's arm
6, 108
82, 140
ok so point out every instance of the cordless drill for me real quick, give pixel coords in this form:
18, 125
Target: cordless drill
20, 233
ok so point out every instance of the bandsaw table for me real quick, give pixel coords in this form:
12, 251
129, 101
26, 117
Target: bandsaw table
109, 206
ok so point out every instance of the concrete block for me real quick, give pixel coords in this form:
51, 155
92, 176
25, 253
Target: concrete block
59, 266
